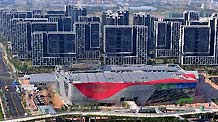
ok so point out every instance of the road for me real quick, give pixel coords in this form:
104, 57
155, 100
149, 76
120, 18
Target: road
15, 108
111, 114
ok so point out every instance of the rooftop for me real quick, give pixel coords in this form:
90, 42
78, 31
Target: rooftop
44, 77
119, 77
136, 73
141, 67
46, 109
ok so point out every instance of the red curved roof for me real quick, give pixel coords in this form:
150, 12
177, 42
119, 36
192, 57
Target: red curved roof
103, 90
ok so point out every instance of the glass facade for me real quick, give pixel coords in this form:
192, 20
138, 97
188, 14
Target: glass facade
119, 41
125, 44
61, 43
88, 36
75, 12
53, 48
24, 40
147, 20
163, 35
43, 26
64, 24
196, 41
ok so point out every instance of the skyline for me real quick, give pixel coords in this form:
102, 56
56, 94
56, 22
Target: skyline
100, 60
135, 38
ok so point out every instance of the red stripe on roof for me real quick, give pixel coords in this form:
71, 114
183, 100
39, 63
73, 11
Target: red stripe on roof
189, 75
104, 90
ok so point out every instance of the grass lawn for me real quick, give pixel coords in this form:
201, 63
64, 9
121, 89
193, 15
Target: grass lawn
183, 101
26, 67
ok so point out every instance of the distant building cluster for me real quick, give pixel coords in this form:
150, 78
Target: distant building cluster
56, 37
